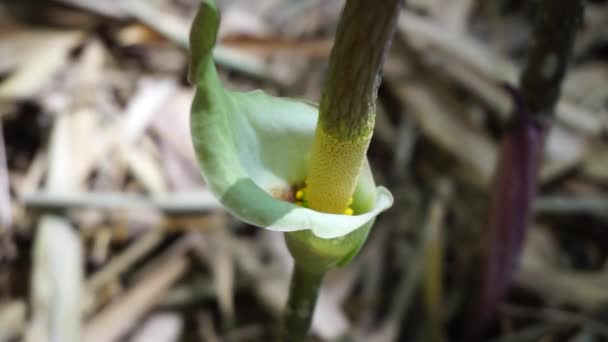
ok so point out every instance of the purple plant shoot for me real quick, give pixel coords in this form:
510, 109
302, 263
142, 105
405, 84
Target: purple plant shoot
511, 206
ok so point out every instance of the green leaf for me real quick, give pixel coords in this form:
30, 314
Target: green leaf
251, 146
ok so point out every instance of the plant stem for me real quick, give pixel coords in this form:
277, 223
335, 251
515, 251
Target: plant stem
303, 293
363, 38
520, 155
344, 130
347, 110
554, 35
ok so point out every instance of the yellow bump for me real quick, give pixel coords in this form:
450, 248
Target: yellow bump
300, 194
349, 211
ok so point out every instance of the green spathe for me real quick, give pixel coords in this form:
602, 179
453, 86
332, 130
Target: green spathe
252, 145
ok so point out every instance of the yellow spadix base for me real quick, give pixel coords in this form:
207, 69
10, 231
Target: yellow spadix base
334, 167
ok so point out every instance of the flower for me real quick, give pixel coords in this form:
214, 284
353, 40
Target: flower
254, 149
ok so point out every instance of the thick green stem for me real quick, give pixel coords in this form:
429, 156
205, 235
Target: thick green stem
303, 293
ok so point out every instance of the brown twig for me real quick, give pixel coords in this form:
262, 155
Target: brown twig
558, 316
5, 197
118, 318
176, 203
6, 243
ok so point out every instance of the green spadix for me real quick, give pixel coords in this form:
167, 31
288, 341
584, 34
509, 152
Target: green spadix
253, 149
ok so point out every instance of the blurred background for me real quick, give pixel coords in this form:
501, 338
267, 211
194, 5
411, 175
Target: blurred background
97, 169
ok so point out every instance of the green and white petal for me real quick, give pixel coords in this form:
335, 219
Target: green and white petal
254, 148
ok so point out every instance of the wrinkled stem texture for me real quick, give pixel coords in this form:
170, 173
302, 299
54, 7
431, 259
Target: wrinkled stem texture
362, 41
303, 293
347, 110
